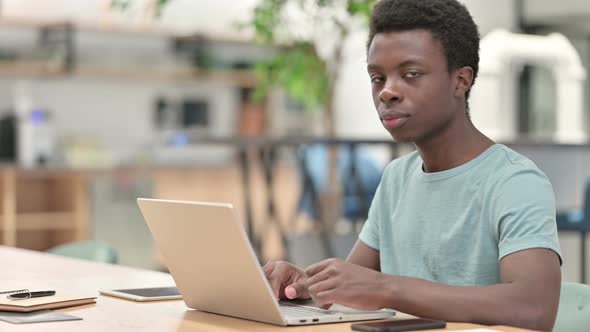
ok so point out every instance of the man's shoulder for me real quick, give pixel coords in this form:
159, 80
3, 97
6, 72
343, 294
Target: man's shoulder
508, 163
510, 171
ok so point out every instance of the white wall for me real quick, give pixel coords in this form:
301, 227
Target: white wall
536, 10
355, 113
489, 15
213, 17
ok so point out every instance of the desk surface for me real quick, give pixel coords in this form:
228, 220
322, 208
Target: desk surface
112, 314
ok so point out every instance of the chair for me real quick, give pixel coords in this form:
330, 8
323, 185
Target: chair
88, 250
360, 177
574, 308
578, 221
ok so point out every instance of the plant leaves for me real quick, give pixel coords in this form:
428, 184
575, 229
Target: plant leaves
299, 69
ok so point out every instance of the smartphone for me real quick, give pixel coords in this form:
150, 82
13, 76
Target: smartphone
400, 325
144, 294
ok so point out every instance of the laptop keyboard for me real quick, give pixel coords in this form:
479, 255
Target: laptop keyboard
297, 310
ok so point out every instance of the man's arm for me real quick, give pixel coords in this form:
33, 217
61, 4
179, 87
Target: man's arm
527, 296
363, 255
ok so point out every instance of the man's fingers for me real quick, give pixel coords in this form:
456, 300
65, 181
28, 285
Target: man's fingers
296, 290
321, 286
276, 279
325, 299
319, 267
319, 277
268, 268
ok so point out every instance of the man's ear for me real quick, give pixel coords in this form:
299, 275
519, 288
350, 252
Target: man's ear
464, 80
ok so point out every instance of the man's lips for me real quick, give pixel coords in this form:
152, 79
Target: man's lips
393, 120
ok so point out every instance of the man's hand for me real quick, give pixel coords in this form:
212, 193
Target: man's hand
335, 281
286, 280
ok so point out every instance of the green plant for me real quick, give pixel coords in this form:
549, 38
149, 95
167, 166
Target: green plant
300, 71
123, 5
306, 76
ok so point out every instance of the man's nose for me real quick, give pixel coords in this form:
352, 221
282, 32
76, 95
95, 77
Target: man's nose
391, 92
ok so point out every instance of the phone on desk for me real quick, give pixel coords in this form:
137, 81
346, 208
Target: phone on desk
144, 294
400, 325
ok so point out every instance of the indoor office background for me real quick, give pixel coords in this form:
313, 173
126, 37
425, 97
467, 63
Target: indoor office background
105, 101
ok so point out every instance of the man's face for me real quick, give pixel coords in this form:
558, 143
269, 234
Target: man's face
413, 91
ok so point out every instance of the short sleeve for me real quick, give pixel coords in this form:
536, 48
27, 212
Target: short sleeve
370, 233
524, 213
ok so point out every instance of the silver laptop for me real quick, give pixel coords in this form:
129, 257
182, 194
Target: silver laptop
214, 266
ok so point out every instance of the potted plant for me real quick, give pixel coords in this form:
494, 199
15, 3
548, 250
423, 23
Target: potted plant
311, 35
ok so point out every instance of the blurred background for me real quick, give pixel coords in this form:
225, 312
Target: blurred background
261, 103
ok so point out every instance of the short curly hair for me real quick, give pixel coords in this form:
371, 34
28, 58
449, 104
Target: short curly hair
448, 20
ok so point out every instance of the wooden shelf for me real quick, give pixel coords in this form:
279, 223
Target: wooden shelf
42, 209
45, 221
245, 78
119, 29
242, 78
28, 68
28, 23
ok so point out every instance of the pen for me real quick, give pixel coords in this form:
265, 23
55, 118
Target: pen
28, 295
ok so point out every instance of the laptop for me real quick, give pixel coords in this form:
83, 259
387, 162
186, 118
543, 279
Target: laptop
215, 269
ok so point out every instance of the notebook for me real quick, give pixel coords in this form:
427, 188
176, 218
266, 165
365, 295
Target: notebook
215, 269
35, 317
59, 300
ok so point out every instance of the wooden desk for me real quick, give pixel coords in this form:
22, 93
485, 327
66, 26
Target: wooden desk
112, 314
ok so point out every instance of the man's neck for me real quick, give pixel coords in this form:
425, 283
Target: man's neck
453, 147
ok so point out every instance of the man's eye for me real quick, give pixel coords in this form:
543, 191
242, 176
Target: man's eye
412, 74
376, 79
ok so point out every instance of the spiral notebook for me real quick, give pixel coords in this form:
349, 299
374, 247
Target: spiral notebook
61, 299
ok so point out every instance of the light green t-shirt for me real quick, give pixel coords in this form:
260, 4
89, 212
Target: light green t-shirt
453, 227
